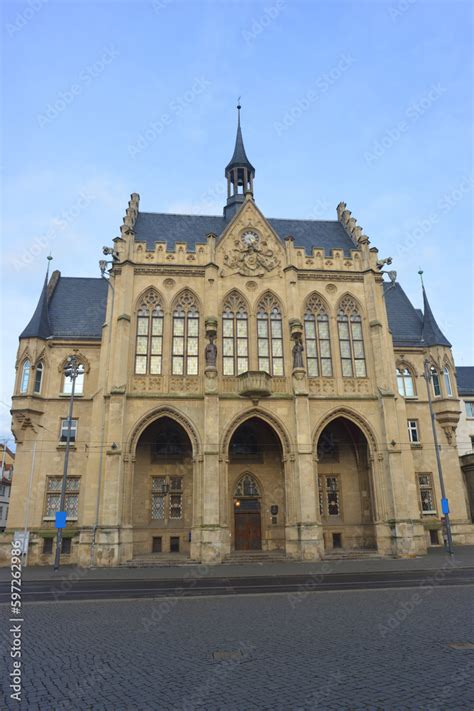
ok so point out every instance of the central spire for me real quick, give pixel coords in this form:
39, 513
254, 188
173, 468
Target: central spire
239, 173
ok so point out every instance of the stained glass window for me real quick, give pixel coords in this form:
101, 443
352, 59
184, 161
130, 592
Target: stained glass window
235, 358
185, 343
149, 343
317, 339
351, 341
270, 336
247, 486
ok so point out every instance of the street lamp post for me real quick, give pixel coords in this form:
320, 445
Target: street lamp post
427, 376
71, 370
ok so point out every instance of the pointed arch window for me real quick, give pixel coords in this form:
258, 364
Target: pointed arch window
351, 340
247, 486
447, 382
38, 378
25, 376
405, 382
185, 343
318, 343
235, 345
79, 386
270, 336
435, 381
149, 342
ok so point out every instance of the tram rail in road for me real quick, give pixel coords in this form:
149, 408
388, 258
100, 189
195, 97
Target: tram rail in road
68, 589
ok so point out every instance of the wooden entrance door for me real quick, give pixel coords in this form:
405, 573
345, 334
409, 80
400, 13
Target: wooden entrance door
248, 530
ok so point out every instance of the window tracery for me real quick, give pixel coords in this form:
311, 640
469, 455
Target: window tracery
317, 338
351, 340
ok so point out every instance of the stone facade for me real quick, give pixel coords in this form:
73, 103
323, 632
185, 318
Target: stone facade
254, 454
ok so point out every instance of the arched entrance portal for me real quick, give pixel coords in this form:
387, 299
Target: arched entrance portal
162, 489
257, 487
345, 486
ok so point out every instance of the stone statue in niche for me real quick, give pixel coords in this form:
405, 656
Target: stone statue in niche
298, 354
210, 353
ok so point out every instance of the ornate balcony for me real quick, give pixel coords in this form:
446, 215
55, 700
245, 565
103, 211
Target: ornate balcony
254, 384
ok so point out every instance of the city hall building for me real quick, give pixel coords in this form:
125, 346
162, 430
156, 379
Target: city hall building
251, 387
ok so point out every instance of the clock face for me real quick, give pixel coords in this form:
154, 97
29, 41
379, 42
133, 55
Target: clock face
250, 238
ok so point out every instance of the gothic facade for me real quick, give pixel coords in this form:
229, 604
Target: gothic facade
248, 384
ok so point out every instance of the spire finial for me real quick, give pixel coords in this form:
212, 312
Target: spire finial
420, 272
49, 258
238, 111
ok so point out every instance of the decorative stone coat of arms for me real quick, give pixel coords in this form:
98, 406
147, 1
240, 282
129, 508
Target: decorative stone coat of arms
251, 256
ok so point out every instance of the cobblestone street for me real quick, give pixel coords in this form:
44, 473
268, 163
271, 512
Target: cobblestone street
349, 650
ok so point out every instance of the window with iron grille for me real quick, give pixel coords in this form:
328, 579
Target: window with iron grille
53, 497
149, 340
167, 498
329, 496
425, 489
351, 340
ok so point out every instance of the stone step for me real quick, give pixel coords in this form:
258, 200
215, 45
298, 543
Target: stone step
157, 560
352, 555
243, 557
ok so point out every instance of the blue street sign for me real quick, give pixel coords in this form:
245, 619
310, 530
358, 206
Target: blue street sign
444, 506
60, 519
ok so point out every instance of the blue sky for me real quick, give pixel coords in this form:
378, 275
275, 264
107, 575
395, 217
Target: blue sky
366, 102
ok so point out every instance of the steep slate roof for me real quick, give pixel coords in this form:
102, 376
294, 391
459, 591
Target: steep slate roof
39, 325
432, 334
465, 379
76, 309
151, 227
404, 320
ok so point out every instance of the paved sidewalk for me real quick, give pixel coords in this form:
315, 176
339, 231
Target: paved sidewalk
434, 560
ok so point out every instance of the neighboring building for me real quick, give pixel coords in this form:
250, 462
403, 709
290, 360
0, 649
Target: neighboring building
307, 430
465, 430
7, 459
